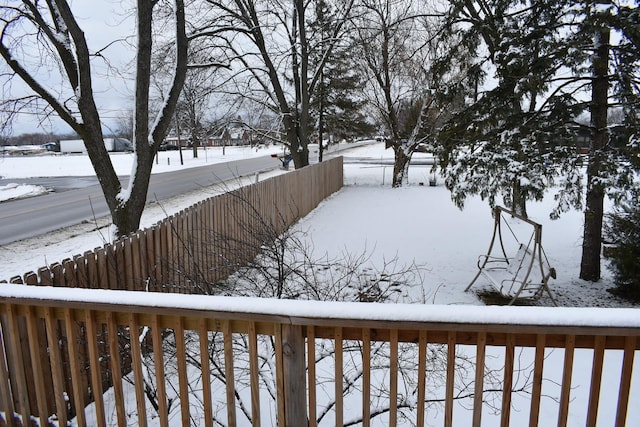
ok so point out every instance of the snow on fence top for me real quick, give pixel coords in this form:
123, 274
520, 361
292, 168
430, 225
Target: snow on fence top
349, 311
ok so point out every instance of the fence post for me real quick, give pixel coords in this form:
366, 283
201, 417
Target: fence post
295, 390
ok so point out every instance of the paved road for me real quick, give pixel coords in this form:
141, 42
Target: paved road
23, 218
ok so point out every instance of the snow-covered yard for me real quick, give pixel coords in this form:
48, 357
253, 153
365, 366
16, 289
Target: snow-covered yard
415, 224
420, 223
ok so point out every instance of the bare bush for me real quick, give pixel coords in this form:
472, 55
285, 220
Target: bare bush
268, 260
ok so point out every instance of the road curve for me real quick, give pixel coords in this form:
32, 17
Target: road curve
24, 218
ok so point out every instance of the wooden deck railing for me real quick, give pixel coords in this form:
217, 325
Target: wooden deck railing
204, 360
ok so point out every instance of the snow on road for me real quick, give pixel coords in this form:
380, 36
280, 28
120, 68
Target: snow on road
13, 191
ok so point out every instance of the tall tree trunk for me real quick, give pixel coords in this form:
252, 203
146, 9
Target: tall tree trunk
400, 166
131, 203
298, 141
195, 143
301, 156
594, 208
321, 118
518, 200
320, 134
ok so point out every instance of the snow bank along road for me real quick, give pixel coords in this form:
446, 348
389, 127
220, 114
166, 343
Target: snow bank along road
23, 218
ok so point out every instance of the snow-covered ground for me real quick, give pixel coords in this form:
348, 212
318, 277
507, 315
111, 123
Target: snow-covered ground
415, 224
51, 164
13, 191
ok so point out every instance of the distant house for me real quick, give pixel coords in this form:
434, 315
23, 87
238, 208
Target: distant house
583, 139
186, 141
618, 137
232, 136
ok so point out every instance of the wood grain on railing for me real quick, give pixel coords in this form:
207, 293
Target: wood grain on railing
144, 328
536, 391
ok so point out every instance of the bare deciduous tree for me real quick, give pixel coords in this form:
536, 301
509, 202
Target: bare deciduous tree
287, 267
391, 38
51, 29
269, 42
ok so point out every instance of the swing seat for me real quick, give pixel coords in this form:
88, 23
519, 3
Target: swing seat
526, 274
510, 277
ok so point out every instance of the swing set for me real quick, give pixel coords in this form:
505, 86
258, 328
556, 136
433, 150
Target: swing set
526, 274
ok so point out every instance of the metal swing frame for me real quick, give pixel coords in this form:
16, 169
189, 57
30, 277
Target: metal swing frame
511, 276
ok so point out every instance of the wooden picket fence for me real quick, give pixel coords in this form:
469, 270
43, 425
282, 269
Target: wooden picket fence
191, 251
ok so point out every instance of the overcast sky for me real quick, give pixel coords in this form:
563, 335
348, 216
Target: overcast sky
108, 26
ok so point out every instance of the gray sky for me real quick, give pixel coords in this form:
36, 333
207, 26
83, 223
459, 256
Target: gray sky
108, 26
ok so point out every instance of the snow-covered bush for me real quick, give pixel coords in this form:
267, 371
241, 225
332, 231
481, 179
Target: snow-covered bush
622, 230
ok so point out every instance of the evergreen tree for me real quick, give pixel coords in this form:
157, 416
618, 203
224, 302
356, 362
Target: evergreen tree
550, 61
622, 230
514, 138
343, 113
614, 81
336, 103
